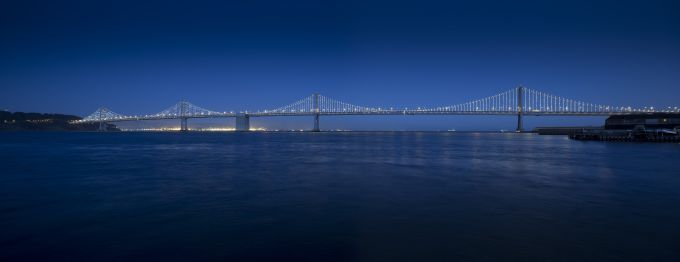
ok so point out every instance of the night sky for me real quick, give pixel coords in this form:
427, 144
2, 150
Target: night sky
137, 58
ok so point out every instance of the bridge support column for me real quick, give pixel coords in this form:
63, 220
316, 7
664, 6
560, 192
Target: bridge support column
102, 126
316, 116
520, 127
520, 108
184, 127
316, 123
242, 122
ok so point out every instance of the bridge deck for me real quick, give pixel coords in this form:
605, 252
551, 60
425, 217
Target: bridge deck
375, 113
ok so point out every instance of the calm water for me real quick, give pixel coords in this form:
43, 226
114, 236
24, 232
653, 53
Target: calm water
336, 196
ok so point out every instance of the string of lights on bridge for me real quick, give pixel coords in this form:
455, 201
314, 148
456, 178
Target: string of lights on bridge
519, 100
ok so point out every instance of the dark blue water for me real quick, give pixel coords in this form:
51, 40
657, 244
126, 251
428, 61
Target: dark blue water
336, 197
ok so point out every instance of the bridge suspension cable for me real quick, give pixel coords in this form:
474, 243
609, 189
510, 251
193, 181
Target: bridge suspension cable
302, 105
323, 104
539, 102
330, 105
536, 101
185, 109
503, 102
102, 114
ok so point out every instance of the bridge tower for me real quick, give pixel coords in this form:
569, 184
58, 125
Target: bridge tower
183, 116
316, 112
102, 124
520, 108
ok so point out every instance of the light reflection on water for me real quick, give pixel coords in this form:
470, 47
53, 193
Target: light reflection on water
335, 196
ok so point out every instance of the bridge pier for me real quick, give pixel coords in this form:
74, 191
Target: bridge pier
316, 123
520, 127
316, 109
520, 108
102, 126
184, 127
242, 122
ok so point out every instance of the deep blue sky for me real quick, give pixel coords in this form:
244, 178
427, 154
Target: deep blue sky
133, 57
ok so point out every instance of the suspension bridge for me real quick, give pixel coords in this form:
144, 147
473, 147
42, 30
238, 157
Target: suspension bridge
519, 102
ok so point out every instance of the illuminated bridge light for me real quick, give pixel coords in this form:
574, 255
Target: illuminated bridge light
503, 103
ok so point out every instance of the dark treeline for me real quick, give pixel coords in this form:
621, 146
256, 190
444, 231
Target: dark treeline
21, 121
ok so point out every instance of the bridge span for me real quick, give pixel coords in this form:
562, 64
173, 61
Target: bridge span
517, 102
